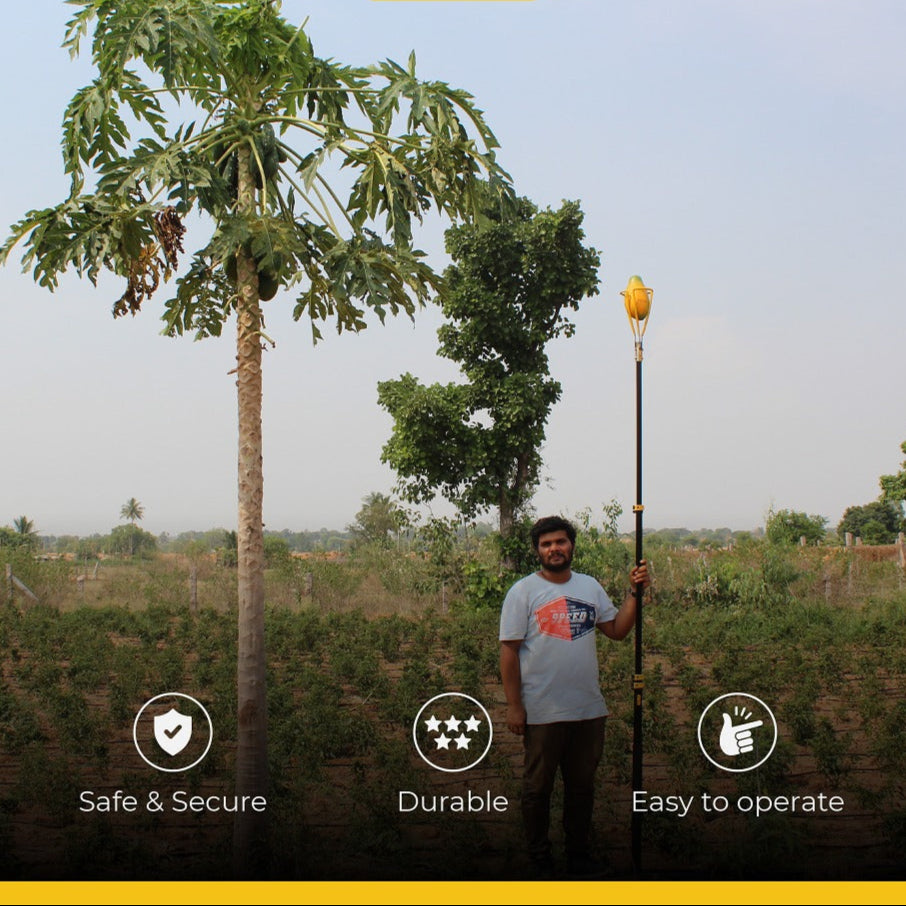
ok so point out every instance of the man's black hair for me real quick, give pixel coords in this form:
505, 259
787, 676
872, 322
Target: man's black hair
552, 524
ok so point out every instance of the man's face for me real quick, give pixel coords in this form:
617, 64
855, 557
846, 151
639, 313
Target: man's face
555, 551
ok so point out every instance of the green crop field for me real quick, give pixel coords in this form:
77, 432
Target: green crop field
357, 646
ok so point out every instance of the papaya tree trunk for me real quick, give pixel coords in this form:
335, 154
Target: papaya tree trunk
250, 846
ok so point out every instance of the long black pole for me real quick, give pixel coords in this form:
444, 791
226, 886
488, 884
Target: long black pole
638, 680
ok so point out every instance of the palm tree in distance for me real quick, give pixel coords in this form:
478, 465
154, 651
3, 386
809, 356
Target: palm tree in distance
132, 510
25, 528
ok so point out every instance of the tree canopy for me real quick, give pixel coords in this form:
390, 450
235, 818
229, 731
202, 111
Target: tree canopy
879, 522
875, 523
513, 281
22, 534
130, 539
265, 104
893, 487
378, 519
789, 526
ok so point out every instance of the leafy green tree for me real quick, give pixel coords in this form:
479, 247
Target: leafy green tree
513, 281
89, 548
21, 535
443, 541
267, 121
276, 551
379, 519
195, 551
893, 487
131, 540
875, 523
788, 526
228, 555
599, 551
66, 544
10, 538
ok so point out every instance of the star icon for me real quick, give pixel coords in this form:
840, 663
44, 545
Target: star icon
472, 724
452, 723
462, 741
443, 741
433, 724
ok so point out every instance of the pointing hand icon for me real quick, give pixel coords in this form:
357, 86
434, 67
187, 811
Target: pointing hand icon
737, 740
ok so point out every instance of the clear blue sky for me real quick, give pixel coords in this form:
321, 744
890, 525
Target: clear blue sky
745, 158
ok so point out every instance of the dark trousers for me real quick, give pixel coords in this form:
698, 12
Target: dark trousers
575, 747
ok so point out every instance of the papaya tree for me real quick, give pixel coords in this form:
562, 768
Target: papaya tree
264, 127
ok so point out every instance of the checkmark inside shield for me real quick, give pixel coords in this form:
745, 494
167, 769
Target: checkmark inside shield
173, 731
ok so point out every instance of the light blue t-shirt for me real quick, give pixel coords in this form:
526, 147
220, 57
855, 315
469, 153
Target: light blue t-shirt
558, 658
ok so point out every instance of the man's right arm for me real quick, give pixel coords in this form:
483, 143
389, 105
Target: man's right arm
511, 675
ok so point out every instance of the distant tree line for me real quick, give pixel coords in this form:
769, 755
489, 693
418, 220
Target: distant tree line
700, 538
382, 520
117, 541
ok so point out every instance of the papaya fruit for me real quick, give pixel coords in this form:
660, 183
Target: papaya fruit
269, 153
229, 267
267, 286
637, 299
268, 280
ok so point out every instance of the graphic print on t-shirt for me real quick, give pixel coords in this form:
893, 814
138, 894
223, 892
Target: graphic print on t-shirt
565, 618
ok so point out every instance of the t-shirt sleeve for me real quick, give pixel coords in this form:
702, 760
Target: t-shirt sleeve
514, 615
606, 610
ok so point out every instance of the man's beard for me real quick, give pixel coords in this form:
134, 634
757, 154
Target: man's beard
560, 566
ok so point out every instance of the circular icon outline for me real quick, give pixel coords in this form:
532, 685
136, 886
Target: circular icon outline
200, 758
425, 758
701, 744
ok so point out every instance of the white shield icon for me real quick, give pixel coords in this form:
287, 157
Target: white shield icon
172, 731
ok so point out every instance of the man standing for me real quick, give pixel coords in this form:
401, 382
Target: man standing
549, 668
